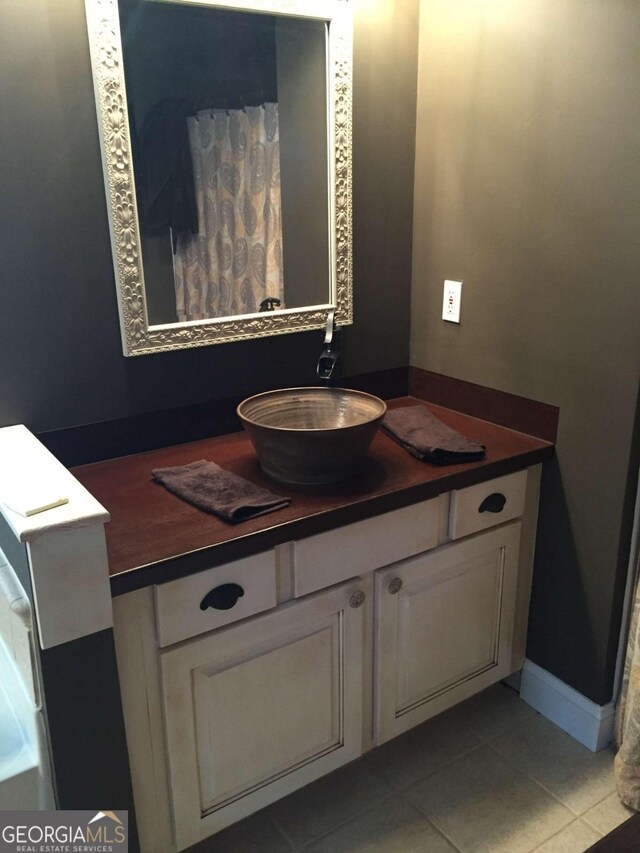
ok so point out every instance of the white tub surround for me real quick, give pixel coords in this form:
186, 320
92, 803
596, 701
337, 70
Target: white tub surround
25, 778
65, 545
60, 557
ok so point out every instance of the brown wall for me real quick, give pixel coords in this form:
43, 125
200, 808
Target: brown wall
384, 117
528, 189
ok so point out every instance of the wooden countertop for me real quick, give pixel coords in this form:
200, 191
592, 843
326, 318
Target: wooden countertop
154, 536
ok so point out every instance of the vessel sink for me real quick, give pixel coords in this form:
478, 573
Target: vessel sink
309, 436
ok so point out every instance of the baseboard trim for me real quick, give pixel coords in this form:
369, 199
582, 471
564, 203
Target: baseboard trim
590, 724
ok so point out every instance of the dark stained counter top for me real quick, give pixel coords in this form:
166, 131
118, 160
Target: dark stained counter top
153, 536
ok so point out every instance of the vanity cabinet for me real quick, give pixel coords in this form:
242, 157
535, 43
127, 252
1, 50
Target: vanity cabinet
339, 642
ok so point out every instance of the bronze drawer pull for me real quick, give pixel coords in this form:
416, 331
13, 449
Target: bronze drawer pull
222, 597
493, 503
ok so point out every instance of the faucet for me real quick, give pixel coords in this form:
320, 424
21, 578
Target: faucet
330, 355
270, 303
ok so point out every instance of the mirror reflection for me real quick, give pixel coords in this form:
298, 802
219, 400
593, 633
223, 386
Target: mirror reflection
229, 135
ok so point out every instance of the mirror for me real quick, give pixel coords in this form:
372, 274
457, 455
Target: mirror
226, 142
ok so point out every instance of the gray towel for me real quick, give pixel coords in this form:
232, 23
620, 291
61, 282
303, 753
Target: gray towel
427, 438
209, 487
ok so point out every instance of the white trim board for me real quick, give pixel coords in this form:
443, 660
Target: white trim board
66, 544
27, 466
590, 724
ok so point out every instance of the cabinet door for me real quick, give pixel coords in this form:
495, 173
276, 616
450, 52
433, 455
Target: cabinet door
444, 627
259, 709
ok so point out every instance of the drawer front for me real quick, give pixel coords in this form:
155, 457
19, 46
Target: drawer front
487, 504
179, 604
329, 558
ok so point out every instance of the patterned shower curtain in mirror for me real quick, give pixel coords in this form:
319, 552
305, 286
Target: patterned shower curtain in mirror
627, 760
235, 261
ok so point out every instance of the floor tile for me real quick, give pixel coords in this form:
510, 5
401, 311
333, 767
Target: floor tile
577, 776
255, 834
481, 803
495, 711
575, 838
322, 806
394, 827
608, 814
414, 755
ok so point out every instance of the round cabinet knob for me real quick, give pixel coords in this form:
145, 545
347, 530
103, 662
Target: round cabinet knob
357, 599
395, 586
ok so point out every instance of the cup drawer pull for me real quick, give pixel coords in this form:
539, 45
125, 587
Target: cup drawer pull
493, 503
222, 597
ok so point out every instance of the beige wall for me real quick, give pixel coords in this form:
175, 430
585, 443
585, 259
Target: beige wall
528, 188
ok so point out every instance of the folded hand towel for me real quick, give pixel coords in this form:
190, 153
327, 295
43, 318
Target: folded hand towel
209, 487
427, 438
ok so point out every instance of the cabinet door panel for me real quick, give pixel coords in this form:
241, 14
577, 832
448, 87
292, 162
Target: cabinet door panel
257, 710
297, 703
449, 628
447, 632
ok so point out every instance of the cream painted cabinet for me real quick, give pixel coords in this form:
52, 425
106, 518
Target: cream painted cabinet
444, 626
254, 711
333, 644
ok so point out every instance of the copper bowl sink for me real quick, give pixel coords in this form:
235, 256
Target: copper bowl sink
308, 436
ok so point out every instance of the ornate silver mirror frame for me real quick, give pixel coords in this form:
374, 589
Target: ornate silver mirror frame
140, 338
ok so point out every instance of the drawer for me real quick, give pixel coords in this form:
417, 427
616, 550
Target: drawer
487, 504
329, 558
179, 613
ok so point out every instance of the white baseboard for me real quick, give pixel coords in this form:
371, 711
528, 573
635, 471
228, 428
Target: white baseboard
590, 724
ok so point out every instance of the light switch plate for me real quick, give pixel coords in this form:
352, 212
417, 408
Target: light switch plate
451, 301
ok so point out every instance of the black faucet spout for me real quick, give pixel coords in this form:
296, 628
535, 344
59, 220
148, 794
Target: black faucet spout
330, 355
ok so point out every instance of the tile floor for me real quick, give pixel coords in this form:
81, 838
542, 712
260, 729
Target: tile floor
490, 775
